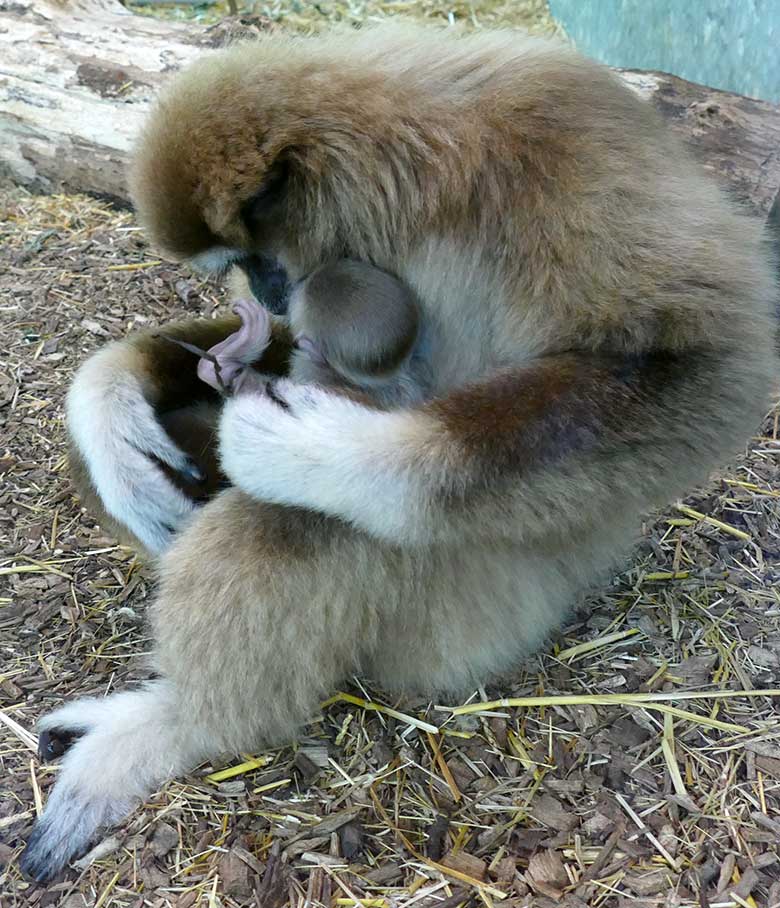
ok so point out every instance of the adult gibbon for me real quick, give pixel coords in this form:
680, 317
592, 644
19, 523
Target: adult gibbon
598, 335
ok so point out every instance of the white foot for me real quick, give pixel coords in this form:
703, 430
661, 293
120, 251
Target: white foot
125, 746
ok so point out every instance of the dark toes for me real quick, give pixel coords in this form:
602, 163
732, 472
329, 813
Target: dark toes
54, 742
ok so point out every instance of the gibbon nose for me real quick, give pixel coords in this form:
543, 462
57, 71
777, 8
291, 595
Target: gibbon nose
268, 282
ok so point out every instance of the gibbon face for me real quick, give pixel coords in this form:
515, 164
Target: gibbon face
199, 203
214, 181
252, 158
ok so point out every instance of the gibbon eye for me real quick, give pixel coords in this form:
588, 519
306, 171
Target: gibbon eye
264, 204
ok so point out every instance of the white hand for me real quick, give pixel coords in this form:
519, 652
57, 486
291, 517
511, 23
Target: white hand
305, 446
116, 431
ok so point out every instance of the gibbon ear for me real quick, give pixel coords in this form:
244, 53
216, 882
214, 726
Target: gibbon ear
266, 203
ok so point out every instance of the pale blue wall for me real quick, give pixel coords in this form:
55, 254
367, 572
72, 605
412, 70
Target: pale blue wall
728, 44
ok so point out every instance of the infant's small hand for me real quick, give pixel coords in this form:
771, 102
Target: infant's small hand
235, 354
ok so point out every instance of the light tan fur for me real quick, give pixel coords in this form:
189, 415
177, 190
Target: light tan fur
599, 337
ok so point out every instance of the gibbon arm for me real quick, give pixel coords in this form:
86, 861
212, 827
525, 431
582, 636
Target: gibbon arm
530, 453
123, 462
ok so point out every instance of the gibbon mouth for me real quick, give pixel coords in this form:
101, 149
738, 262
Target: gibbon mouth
268, 282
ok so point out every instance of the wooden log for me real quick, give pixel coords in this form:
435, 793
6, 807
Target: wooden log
77, 78
735, 137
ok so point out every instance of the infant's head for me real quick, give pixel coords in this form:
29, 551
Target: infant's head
353, 321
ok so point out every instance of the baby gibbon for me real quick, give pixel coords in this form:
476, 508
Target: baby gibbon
353, 325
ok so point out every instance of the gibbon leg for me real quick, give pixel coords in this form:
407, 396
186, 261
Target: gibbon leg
258, 616
263, 609
129, 744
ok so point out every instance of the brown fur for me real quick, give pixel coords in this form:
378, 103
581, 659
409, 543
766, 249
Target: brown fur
599, 313
599, 336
